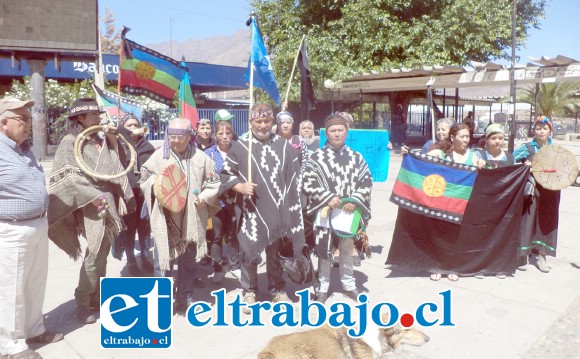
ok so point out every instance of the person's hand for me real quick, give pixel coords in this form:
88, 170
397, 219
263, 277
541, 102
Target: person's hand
528, 163
110, 133
348, 208
335, 202
200, 203
390, 146
404, 150
246, 188
284, 106
480, 163
99, 201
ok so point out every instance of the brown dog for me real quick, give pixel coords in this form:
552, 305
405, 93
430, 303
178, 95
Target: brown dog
328, 342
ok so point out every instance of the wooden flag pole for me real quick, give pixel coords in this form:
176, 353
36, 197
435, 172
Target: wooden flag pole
250, 136
285, 103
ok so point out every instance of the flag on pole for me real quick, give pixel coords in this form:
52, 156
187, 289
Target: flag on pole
307, 98
147, 72
110, 101
187, 108
263, 74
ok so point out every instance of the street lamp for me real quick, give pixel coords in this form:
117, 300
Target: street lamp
329, 84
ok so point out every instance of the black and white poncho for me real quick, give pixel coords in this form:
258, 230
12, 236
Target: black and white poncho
274, 211
330, 173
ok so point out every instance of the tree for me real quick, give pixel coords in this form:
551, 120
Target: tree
552, 99
111, 38
352, 36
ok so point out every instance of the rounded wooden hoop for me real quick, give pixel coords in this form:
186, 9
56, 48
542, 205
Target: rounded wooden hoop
82, 137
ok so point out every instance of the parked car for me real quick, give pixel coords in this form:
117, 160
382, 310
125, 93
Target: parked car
559, 129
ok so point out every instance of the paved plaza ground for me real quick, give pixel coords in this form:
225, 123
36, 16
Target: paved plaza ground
528, 315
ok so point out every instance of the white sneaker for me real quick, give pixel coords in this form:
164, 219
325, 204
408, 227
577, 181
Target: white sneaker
249, 298
237, 273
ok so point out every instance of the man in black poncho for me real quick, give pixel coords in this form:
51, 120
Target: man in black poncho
266, 204
333, 173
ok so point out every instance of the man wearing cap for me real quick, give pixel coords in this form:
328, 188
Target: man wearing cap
266, 203
23, 236
332, 174
179, 232
80, 205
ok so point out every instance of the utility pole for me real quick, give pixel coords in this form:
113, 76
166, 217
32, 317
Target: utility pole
513, 80
171, 37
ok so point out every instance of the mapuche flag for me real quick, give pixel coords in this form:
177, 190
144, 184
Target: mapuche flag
187, 108
434, 187
147, 72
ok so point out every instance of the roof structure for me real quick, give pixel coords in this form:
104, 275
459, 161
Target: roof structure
480, 83
203, 77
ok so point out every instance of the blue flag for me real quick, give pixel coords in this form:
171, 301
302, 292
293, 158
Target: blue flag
263, 74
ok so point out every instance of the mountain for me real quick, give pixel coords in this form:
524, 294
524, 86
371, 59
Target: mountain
232, 50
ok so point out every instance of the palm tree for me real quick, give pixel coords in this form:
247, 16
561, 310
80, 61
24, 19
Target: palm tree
550, 99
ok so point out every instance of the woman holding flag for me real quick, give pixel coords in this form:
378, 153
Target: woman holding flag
456, 150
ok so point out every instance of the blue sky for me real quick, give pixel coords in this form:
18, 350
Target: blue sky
155, 21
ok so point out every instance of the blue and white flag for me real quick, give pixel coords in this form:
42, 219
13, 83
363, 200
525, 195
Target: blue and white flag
110, 102
263, 73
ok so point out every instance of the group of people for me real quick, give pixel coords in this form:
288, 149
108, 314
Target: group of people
252, 193
538, 235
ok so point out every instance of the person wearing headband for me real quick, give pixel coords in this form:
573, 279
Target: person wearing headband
179, 236
266, 200
539, 233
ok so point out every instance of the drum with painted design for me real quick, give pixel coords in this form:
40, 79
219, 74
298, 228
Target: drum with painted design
171, 188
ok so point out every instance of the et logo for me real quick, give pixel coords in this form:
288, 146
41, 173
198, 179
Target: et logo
136, 312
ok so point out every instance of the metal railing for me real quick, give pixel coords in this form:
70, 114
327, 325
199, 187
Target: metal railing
157, 121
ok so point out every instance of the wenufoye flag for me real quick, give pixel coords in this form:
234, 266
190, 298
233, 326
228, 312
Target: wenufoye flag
149, 73
434, 187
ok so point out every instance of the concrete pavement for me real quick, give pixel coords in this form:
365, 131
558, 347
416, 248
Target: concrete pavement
529, 315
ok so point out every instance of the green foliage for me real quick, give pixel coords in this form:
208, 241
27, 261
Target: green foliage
58, 98
553, 99
350, 36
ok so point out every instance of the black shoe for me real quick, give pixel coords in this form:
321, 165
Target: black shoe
205, 261
352, 294
322, 297
85, 315
356, 260
133, 268
47, 337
